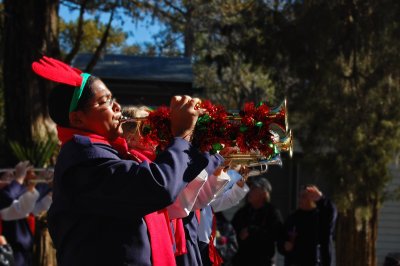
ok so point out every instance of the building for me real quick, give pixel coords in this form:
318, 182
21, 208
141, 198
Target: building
388, 239
138, 80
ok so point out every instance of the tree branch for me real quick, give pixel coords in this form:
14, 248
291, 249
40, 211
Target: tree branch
102, 43
78, 37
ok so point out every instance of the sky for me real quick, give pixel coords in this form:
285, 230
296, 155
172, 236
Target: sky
138, 32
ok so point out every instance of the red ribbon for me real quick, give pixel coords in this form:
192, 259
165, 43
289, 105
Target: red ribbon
31, 223
214, 256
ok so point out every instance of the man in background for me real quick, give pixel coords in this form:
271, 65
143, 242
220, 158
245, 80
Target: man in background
257, 225
307, 235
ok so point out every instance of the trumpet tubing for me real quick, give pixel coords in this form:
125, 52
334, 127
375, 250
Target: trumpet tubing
256, 164
4, 170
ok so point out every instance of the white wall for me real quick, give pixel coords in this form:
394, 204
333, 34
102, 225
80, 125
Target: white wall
389, 222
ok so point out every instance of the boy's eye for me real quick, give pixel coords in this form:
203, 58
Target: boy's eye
108, 102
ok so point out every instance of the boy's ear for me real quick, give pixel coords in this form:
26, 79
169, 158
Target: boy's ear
75, 119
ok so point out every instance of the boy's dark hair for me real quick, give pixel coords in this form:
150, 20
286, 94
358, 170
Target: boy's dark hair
60, 99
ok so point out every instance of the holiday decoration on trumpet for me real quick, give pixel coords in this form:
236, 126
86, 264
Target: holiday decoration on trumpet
253, 130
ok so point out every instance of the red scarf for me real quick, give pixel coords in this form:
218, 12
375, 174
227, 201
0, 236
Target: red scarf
157, 222
178, 238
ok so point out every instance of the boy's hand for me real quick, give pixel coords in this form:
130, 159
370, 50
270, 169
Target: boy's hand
184, 116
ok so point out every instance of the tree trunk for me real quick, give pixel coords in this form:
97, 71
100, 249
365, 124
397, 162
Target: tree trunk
188, 32
30, 31
356, 237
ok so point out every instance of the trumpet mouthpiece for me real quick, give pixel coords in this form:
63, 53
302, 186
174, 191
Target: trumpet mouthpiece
124, 119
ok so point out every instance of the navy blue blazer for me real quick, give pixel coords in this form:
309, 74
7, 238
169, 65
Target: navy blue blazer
99, 200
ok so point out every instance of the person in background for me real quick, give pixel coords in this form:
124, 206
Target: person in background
208, 233
257, 226
6, 253
225, 239
307, 233
18, 217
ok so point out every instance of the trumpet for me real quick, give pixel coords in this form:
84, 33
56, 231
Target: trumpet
277, 115
31, 180
255, 164
252, 124
4, 170
39, 180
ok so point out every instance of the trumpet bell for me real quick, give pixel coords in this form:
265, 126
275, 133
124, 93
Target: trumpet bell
279, 116
286, 144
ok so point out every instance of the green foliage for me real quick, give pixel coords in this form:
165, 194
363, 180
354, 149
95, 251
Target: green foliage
40, 153
131, 49
349, 79
93, 32
205, 30
338, 62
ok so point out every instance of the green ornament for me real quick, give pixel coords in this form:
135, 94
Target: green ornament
243, 128
201, 128
276, 150
259, 124
204, 119
217, 146
146, 130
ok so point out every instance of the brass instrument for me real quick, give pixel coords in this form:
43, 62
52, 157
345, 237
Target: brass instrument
4, 170
255, 162
277, 115
32, 180
286, 144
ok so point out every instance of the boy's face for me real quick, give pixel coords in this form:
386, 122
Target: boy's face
102, 114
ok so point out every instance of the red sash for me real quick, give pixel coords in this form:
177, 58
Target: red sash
31, 223
179, 237
215, 258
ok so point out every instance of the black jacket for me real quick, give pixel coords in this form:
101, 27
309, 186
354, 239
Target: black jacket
311, 233
263, 226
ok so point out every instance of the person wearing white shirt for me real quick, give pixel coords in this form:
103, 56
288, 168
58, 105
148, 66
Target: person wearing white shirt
22, 201
232, 194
